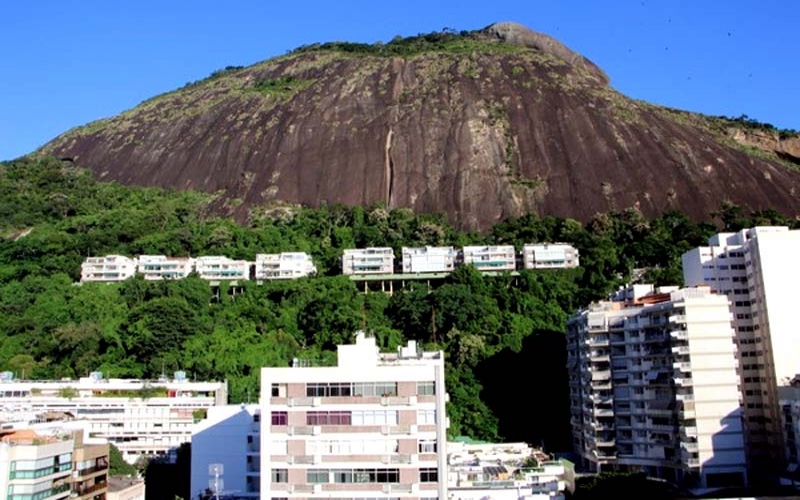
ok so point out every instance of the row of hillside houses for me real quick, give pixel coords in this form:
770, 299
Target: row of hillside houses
286, 265
491, 258
360, 261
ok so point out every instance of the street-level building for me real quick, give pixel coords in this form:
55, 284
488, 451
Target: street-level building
757, 269
372, 426
140, 417
371, 260
161, 267
654, 386
491, 258
285, 265
108, 268
219, 268
549, 256
34, 465
428, 259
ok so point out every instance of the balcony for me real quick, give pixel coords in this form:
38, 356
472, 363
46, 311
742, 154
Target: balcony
681, 350
677, 318
87, 490
90, 470
690, 446
684, 381
682, 366
679, 334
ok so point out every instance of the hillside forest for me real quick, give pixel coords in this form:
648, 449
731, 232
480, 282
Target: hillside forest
503, 336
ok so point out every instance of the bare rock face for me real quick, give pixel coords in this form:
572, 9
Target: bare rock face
787, 148
486, 126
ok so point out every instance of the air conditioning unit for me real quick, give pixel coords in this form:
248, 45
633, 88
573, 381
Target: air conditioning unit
412, 429
316, 401
317, 488
317, 459
386, 430
414, 458
387, 488
290, 488
412, 400
290, 431
316, 430
384, 401
387, 459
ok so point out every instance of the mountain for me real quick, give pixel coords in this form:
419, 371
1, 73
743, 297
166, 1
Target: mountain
481, 125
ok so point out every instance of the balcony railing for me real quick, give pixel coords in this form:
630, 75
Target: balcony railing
86, 490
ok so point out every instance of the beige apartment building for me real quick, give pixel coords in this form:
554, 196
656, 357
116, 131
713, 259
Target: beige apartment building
654, 386
372, 426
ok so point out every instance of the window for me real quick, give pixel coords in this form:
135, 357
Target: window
375, 389
280, 476
427, 446
366, 476
280, 418
426, 417
352, 447
328, 418
278, 447
316, 476
426, 388
429, 475
375, 417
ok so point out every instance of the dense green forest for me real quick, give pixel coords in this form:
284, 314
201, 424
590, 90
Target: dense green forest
502, 335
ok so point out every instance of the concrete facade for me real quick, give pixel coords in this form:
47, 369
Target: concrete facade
550, 256
429, 259
372, 260
654, 386
285, 265
372, 426
491, 258
161, 267
109, 268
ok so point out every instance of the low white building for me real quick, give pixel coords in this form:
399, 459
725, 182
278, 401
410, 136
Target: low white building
219, 268
549, 256
491, 258
284, 265
428, 259
371, 260
140, 417
502, 471
107, 268
226, 445
161, 267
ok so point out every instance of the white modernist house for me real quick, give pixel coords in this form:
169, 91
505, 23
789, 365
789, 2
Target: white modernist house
429, 259
108, 268
654, 385
219, 268
758, 270
372, 426
549, 256
140, 417
34, 466
371, 260
161, 267
285, 265
498, 470
491, 258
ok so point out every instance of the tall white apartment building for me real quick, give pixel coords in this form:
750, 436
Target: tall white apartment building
107, 268
549, 256
758, 270
218, 268
161, 267
139, 417
654, 385
285, 265
34, 466
429, 259
371, 260
374, 426
491, 258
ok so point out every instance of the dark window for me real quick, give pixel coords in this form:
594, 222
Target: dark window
280, 418
280, 476
429, 475
328, 418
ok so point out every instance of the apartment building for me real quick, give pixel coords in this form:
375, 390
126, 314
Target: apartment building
372, 426
161, 267
89, 468
550, 256
108, 268
371, 260
757, 269
428, 259
226, 451
285, 265
654, 386
219, 268
491, 258
140, 417
34, 466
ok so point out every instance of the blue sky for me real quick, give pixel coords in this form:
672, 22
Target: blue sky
68, 62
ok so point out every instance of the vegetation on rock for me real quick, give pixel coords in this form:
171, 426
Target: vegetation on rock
499, 333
